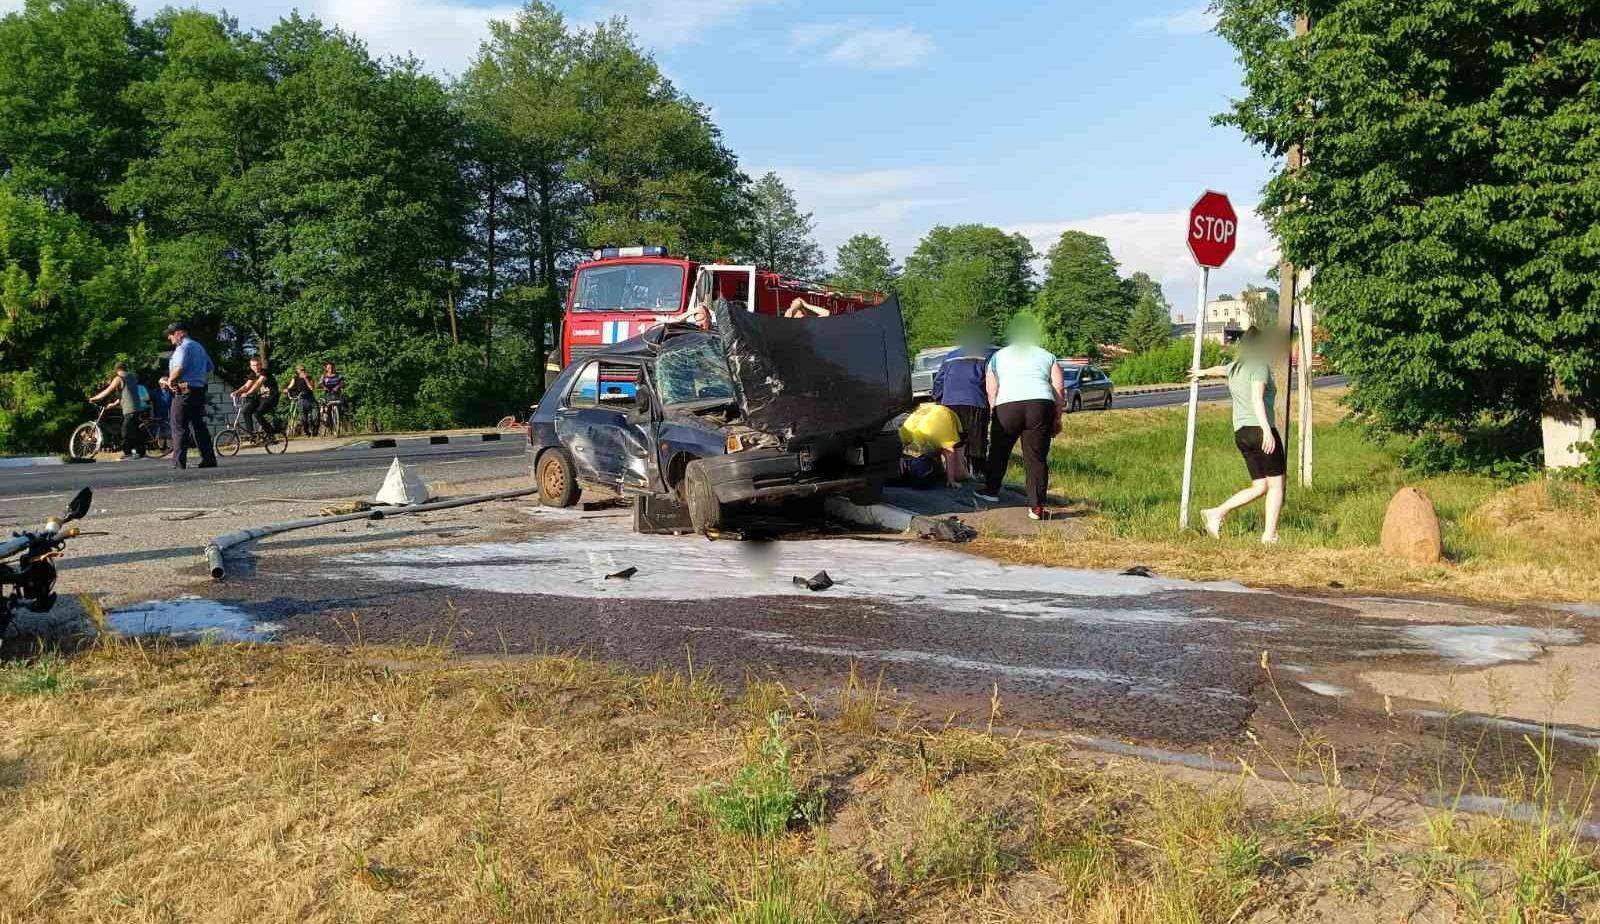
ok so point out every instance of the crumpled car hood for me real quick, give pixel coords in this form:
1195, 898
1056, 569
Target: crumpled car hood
808, 377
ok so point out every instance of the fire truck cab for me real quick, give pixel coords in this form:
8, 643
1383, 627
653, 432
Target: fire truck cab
624, 291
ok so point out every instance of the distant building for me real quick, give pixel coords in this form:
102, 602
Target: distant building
1226, 320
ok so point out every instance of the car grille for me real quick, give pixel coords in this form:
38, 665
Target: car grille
579, 353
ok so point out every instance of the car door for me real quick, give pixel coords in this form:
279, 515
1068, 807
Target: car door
1094, 386
601, 425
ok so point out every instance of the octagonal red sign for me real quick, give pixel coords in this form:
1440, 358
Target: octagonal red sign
1213, 230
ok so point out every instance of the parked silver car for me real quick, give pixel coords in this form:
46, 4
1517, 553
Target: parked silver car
1086, 386
923, 368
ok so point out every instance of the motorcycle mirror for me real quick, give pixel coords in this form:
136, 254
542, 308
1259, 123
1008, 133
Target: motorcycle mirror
79, 507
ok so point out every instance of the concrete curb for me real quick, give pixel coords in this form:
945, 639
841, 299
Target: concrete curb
1159, 389
426, 439
31, 461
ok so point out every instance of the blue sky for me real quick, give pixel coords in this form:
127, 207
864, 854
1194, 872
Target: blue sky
889, 118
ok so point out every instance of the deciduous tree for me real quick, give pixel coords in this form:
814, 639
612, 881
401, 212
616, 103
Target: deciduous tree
864, 264
1083, 302
962, 274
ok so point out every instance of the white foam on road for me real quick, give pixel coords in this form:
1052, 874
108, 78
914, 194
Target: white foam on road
575, 563
1583, 738
1481, 646
190, 617
1324, 689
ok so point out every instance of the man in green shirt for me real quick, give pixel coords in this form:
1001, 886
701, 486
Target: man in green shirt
1253, 393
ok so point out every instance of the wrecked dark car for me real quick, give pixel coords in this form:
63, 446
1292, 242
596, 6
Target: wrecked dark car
757, 409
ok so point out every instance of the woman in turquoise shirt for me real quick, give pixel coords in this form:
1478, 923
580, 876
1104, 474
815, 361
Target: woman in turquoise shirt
1025, 393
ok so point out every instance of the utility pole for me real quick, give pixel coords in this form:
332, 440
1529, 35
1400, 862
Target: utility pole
1288, 300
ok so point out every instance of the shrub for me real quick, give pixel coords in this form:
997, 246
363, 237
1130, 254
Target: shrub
1165, 364
762, 799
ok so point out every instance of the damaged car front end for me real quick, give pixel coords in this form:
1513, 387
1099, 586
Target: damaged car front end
760, 409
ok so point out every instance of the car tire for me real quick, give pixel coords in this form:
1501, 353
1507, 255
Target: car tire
705, 511
557, 479
869, 494
1077, 403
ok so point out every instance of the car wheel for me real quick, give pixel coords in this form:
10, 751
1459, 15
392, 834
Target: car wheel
1077, 403
558, 482
1107, 405
705, 512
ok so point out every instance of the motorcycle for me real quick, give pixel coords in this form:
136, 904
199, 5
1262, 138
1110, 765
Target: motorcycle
27, 562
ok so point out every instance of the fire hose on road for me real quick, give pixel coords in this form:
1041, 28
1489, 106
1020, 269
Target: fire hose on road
215, 550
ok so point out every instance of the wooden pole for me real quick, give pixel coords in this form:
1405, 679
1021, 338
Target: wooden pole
1288, 280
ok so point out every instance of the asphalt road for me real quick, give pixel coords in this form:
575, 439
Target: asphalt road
28, 495
1207, 393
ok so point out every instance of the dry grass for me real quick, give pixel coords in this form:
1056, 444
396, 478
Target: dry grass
1120, 472
306, 784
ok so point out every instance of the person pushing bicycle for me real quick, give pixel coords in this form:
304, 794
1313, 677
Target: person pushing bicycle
259, 396
333, 399
125, 385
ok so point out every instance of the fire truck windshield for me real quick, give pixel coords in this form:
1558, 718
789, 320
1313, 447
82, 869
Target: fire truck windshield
630, 287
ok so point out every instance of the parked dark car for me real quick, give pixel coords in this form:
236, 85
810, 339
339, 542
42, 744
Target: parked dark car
1086, 386
758, 409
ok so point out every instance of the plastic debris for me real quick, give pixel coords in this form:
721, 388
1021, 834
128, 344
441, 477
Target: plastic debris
1139, 571
402, 487
622, 575
818, 581
944, 529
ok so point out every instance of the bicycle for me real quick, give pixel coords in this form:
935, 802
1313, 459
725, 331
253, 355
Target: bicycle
308, 427
236, 434
89, 438
335, 414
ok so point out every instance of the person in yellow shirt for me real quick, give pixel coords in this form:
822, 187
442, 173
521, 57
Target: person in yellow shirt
935, 430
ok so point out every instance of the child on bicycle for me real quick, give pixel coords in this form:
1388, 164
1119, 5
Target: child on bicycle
260, 398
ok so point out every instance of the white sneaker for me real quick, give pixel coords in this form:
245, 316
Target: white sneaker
1213, 523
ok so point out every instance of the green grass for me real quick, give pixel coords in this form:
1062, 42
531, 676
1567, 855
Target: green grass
1128, 468
762, 799
46, 675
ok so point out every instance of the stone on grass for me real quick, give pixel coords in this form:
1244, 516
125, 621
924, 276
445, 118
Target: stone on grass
1411, 528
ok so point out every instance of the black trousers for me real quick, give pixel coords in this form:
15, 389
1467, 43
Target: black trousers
255, 415
974, 433
1032, 422
308, 416
188, 420
132, 434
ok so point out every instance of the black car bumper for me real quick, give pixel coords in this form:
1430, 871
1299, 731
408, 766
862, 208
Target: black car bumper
769, 474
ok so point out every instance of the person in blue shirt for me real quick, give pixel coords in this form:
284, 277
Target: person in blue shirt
1025, 389
186, 379
959, 386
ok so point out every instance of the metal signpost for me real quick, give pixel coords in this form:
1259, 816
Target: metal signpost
1213, 234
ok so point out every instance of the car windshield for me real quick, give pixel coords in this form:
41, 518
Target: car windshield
1071, 373
630, 287
694, 372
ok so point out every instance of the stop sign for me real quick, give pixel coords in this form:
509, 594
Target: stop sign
1213, 230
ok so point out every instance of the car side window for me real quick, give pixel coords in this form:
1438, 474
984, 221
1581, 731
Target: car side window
585, 390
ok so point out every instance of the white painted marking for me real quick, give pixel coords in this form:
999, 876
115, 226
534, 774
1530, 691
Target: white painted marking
153, 487
315, 474
1324, 689
38, 497
236, 481
458, 461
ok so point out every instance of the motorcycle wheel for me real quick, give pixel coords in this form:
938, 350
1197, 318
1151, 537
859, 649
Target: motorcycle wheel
85, 441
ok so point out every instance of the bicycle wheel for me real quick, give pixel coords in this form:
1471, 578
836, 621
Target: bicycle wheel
227, 442
277, 442
335, 421
157, 438
85, 441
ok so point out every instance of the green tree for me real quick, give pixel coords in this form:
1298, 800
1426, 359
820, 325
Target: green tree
69, 307
66, 131
1083, 302
1150, 323
864, 264
1262, 303
780, 234
1449, 196
958, 275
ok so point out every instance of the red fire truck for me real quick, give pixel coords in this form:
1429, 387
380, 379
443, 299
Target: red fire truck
623, 290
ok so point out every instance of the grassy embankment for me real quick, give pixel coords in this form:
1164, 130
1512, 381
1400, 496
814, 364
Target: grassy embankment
1122, 472
238, 783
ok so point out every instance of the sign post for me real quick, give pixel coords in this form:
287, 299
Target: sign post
1213, 234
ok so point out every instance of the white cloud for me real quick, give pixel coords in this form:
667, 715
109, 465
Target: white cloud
1154, 243
882, 49
668, 24
892, 203
810, 36
445, 35
1197, 21
9, 6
